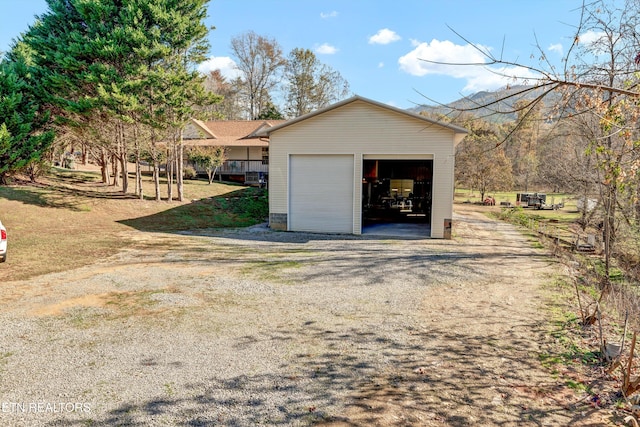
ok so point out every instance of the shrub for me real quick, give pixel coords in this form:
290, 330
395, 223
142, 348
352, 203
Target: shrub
189, 173
515, 216
36, 169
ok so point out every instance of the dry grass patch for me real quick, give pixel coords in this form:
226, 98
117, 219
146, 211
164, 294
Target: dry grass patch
88, 310
70, 219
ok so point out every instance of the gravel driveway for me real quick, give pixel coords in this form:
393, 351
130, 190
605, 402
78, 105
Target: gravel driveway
251, 327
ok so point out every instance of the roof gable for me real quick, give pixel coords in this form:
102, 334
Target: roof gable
196, 129
228, 132
456, 129
240, 129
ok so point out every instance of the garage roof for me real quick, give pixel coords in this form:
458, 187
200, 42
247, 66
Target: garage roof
269, 130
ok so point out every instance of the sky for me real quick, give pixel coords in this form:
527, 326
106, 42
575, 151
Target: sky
379, 46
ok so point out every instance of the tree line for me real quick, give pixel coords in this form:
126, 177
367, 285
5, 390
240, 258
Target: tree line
529, 154
299, 79
116, 81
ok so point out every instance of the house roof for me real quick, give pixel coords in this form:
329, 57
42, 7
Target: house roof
203, 127
454, 128
243, 133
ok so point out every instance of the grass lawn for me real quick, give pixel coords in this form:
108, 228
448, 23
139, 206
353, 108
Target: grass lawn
568, 214
463, 195
70, 218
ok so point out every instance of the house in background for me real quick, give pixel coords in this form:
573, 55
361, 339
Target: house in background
246, 143
358, 163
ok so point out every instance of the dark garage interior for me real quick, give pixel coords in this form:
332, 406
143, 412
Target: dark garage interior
396, 191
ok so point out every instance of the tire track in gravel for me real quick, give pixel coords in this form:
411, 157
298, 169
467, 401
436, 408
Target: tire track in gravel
480, 342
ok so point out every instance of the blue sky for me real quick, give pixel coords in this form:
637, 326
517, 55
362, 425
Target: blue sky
377, 46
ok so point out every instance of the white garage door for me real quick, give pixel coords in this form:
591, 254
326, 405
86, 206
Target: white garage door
321, 193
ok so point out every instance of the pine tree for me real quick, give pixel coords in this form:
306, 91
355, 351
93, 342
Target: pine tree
24, 133
131, 59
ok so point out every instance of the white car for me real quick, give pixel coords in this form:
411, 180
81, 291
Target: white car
3, 243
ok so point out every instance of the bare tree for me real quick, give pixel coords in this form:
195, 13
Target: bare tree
311, 85
260, 61
609, 114
564, 165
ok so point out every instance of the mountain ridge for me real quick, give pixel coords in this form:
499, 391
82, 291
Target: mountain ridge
494, 106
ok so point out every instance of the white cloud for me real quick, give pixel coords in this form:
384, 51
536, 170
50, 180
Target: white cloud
226, 65
380, 64
590, 37
440, 58
445, 52
326, 15
326, 49
594, 42
557, 48
384, 36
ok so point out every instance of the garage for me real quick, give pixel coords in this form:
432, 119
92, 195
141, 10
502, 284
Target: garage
321, 200
360, 162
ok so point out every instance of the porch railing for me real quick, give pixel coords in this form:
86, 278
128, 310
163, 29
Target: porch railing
232, 167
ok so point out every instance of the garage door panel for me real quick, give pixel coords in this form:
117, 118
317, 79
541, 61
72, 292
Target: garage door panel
321, 193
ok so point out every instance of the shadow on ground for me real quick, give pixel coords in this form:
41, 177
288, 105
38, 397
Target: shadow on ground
239, 208
57, 195
462, 371
394, 386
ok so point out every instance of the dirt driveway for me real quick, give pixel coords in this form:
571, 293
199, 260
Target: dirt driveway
255, 327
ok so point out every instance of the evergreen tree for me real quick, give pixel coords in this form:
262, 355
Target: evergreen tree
270, 112
132, 59
24, 133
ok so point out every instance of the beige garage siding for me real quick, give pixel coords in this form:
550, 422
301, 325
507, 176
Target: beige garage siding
360, 128
321, 193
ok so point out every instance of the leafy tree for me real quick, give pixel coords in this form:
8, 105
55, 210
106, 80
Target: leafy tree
260, 61
209, 158
522, 144
311, 85
24, 132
